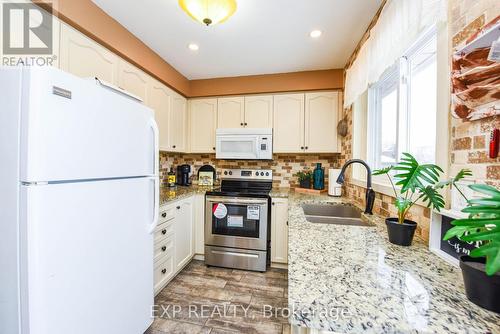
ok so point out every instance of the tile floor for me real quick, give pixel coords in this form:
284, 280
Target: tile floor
222, 301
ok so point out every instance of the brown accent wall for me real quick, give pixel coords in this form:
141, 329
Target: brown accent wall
88, 18
269, 83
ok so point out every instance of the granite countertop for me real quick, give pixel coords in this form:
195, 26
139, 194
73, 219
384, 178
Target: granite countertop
179, 192
350, 279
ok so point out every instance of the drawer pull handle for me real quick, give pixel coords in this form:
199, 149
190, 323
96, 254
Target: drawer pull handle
164, 271
163, 231
178, 207
164, 214
164, 248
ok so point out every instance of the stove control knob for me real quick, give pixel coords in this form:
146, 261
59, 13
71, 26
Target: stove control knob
261, 173
225, 172
256, 173
267, 173
230, 173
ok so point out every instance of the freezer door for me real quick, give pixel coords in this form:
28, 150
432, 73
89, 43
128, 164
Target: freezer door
87, 257
76, 129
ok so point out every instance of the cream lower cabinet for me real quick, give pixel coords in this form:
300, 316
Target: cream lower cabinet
203, 123
86, 58
183, 232
178, 124
258, 111
279, 230
133, 80
288, 123
173, 240
160, 100
199, 224
321, 118
231, 112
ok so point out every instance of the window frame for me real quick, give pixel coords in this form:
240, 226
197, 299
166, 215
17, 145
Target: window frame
402, 71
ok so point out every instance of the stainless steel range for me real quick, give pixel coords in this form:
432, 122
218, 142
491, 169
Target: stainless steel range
237, 220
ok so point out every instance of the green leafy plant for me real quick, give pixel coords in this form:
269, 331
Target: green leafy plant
303, 176
482, 226
417, 182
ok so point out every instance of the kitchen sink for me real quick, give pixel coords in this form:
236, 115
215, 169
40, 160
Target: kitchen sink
334, 214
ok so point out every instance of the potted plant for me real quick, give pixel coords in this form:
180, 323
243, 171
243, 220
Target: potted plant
481, 268
305, 179
418, 182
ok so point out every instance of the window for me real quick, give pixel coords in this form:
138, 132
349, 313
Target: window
402, 107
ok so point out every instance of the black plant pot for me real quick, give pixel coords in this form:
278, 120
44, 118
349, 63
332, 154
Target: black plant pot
400, 234
481, 289
305, 183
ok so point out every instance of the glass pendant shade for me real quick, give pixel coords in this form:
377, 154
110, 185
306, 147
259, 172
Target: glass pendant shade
209, 12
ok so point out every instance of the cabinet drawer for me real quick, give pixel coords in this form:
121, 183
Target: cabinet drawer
166, 213
163, 271
164, 230
165, 247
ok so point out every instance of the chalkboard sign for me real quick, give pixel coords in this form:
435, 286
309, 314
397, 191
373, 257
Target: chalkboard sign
454, 246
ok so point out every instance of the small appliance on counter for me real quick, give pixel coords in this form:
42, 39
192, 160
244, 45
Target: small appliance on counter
206, 175
183, 172
334, 188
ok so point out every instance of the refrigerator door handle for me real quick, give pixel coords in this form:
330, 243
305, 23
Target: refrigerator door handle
156, 153
156, 205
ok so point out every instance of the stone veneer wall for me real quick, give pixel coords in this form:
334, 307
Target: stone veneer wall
470, 140
284, 166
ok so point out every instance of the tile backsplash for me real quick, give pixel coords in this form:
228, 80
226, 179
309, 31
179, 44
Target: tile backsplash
284, 166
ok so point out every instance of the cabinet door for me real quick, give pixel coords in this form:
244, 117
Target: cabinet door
85, 58
259, 111
199, 224
230, 112
321, 118
160, 100
178, 124
184, 247
133, 80
279, 230
203, 121
288, 123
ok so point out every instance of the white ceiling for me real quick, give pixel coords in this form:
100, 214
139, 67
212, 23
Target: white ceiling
262, 37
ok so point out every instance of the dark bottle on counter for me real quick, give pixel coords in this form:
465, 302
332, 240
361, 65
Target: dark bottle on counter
171, 177
319, 177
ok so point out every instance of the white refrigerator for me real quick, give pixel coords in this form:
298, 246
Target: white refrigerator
78, 206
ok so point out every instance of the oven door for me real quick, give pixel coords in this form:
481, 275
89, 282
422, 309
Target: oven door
236, 222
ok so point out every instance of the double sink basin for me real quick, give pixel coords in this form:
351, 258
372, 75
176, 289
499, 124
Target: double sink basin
338, 214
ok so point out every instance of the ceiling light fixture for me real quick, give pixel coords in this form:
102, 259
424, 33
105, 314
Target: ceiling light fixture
193, 47
315, 33
209, 12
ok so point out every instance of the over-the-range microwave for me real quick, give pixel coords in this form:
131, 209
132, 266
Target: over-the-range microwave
248, 144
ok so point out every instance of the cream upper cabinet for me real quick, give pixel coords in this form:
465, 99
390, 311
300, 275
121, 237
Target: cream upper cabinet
85, 58
133, 80
203, 123
288, 123
160, 100
321, 118
178, 124
279, 230
230, 112
259, 111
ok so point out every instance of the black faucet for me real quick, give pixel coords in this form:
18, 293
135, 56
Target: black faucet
370, 194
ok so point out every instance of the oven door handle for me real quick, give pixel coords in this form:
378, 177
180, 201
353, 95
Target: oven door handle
236, 200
